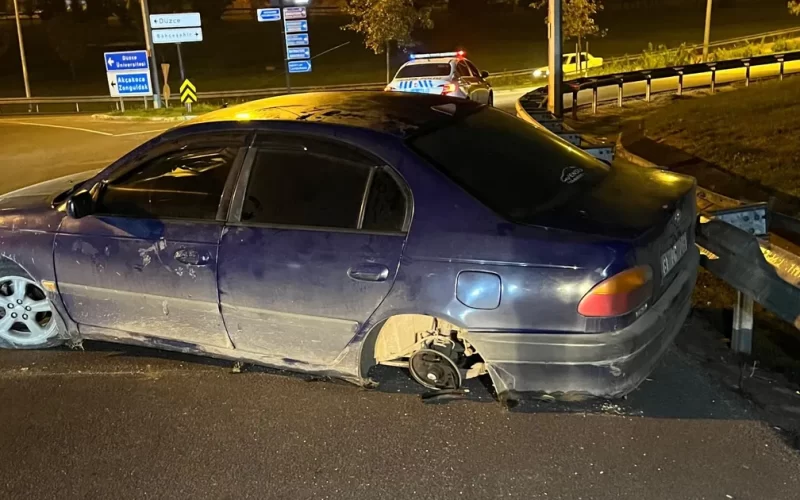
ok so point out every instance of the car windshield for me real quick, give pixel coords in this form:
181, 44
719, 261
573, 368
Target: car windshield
420, 70
516, 169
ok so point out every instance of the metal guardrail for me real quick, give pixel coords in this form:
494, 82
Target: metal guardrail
768, 35
34, 103
537, 98
735, 246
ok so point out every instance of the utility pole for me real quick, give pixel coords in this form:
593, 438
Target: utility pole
555, 98
707, 36
22, 52
148, 40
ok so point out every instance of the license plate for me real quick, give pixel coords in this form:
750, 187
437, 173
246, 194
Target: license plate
673, 255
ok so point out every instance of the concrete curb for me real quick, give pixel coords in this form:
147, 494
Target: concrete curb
628, 156
122, 118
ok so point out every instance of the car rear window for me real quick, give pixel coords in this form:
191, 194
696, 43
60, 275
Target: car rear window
514, 168
420, 70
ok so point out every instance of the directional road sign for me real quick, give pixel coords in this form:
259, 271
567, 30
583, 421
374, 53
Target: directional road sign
294, 12
298, 53
123, 61
303, 66
130, 84
178, 35
267, 15
181, 20
296, 39
188, 92
296, 26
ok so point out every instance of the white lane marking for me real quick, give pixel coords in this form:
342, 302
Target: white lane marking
137, 133
80, 129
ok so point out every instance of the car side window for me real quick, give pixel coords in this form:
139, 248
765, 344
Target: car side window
306, 181
474, 70
386, 203
462, 69
185, 183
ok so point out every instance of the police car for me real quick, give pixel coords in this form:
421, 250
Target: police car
443, 73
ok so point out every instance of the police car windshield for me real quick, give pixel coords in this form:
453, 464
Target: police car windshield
427, 69
517, 170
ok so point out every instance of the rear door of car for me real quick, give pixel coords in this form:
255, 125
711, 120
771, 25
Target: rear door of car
312, 247
145, 262
481, 86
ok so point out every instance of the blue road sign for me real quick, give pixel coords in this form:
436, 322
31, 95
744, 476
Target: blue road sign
296, 26
303, 66
124, 61
133, 84
297, 39
267, 15
298, 52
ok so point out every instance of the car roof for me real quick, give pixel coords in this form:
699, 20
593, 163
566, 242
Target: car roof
430, 60
395, 113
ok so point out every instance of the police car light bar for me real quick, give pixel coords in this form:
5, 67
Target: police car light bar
460, 53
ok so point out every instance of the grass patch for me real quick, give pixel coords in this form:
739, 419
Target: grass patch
749, 132
174, 111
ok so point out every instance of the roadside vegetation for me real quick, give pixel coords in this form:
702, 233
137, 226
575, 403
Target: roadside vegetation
174, 111
749, 132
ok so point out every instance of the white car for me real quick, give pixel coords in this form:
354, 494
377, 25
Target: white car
570, 64
444, 73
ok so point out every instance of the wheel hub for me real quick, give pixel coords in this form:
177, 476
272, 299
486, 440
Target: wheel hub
33, 326
434, 370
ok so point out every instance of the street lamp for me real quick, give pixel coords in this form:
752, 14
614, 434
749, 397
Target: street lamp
22, 52
708, 31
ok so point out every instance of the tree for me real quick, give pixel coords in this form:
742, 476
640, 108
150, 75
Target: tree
385, 21
69, 38
794, 7
578, 19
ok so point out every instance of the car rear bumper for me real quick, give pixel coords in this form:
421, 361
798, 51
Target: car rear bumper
603, 365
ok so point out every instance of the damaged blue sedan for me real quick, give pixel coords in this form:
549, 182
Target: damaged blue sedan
329, 233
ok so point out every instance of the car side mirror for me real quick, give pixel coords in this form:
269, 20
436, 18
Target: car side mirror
80, 204
484, 74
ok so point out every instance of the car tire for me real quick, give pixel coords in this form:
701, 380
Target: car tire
28, 319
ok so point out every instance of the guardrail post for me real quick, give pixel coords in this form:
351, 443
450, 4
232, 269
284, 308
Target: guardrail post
746, 72
780, 73
648, 93
713, 68
37, 108
594, 99
77, 108
680, 80
742, 337
619, 92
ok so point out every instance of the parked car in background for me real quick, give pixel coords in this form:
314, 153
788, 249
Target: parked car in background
570, 64
328, 233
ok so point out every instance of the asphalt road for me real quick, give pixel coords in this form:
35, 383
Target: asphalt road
123, 422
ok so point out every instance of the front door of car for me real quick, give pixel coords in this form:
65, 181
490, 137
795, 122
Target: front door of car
313, 247
145, 262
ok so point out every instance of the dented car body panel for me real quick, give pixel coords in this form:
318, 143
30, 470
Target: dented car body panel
235, 284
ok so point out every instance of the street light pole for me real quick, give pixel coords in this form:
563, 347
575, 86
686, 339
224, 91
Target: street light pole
22, 53
148, 40
707, 36
555, 98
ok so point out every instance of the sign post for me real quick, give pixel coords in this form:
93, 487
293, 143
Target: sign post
165, 71
555, 98
294, 38
183, 27
148, 40
128, 75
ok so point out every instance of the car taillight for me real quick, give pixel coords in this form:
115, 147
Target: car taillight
449, 88
619, 294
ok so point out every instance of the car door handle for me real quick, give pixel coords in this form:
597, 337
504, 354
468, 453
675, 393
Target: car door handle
369, 272
192, 257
